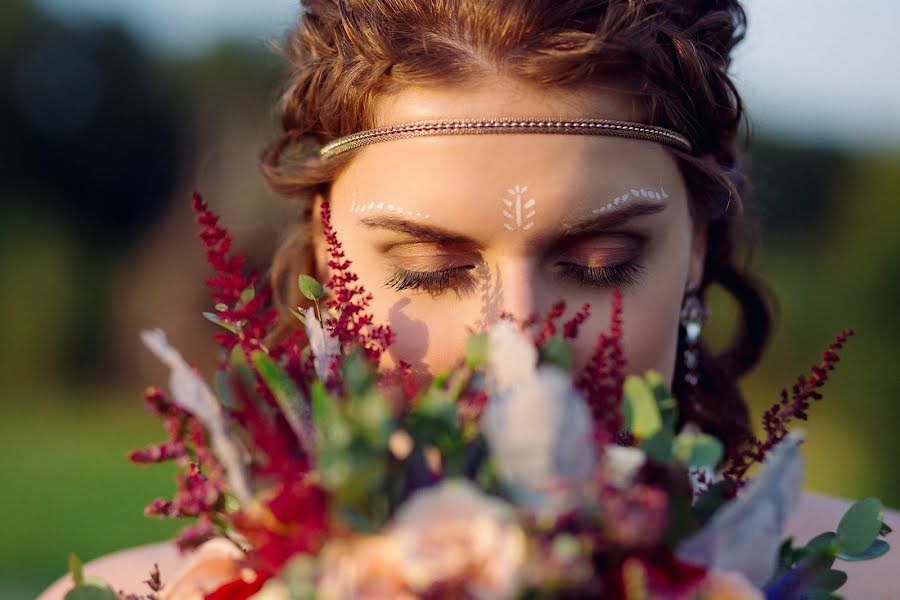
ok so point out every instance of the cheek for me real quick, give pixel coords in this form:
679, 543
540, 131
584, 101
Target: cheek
649, 329
430, 334
650, 316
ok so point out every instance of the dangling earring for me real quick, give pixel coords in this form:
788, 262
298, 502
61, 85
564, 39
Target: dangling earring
694, 314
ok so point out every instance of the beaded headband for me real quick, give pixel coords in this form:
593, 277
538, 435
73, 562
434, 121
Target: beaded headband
578, 126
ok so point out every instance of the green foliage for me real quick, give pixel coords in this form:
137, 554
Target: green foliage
289, 399
860, 526
650, 414
357, 374
91, 590
214, 318
696, 450
854, 540
876, 549
641, 413
557, 351
477, 348
310, 288
76, 568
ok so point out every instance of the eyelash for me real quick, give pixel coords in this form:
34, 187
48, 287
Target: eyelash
431, 281
623, 275
436, 282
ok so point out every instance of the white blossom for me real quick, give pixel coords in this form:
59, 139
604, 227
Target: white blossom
325, 347
622, 462
540, 432
512, 356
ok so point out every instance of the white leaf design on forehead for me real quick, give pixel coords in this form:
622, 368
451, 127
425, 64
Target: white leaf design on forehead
518, 212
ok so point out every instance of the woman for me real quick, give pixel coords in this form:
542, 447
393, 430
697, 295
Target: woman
451, 231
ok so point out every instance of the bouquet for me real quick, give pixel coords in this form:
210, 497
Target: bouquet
320, 475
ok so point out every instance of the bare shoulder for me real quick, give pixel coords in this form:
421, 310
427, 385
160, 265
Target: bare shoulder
125, 570
874, 579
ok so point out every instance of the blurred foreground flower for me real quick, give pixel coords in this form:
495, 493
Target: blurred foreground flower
538, 427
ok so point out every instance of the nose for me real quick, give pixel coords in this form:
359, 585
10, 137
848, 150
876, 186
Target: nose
518, 286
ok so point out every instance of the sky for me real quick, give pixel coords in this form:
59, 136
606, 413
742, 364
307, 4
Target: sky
824, 70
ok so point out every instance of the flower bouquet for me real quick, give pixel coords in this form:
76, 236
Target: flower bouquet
507, 476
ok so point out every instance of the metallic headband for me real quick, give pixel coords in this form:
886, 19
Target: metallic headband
583, 126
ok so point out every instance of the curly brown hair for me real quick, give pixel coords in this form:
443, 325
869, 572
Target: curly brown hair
671, 55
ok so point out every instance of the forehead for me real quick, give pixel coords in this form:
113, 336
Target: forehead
485, 164
461, 179
471, 163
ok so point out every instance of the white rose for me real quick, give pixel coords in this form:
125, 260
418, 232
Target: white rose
512, 355
540, 432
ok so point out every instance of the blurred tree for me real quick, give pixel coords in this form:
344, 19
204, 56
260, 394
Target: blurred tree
89, 128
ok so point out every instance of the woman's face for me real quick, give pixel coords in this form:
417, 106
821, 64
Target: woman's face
449, 232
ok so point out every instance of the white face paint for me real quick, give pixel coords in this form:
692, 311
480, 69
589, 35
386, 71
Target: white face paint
362, 208
518, 211
658, 194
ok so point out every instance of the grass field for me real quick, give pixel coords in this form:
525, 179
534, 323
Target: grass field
67, 484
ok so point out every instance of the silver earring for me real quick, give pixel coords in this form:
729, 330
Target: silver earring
694, 315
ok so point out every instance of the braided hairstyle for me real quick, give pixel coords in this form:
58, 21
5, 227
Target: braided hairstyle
672, 55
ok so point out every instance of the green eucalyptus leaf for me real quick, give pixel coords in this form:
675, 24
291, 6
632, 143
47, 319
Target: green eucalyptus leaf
668, 407
698, 450
824, 542
248, 294
556, 351
829, 580
214, 318
658, 447
310, 288
642, 416
878, 548
860, 526
477, 349
822, 548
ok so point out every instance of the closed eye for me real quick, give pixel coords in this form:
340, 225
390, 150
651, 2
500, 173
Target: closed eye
434, 282
622, 275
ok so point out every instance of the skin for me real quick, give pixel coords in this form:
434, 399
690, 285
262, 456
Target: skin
459, 181
493, 267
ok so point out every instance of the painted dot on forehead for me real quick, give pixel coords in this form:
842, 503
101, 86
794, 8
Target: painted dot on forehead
517, 209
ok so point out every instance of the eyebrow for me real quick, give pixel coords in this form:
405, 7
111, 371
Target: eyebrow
614, 219
416, 230
445, 236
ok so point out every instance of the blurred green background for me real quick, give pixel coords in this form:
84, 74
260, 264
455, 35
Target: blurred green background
104, 132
